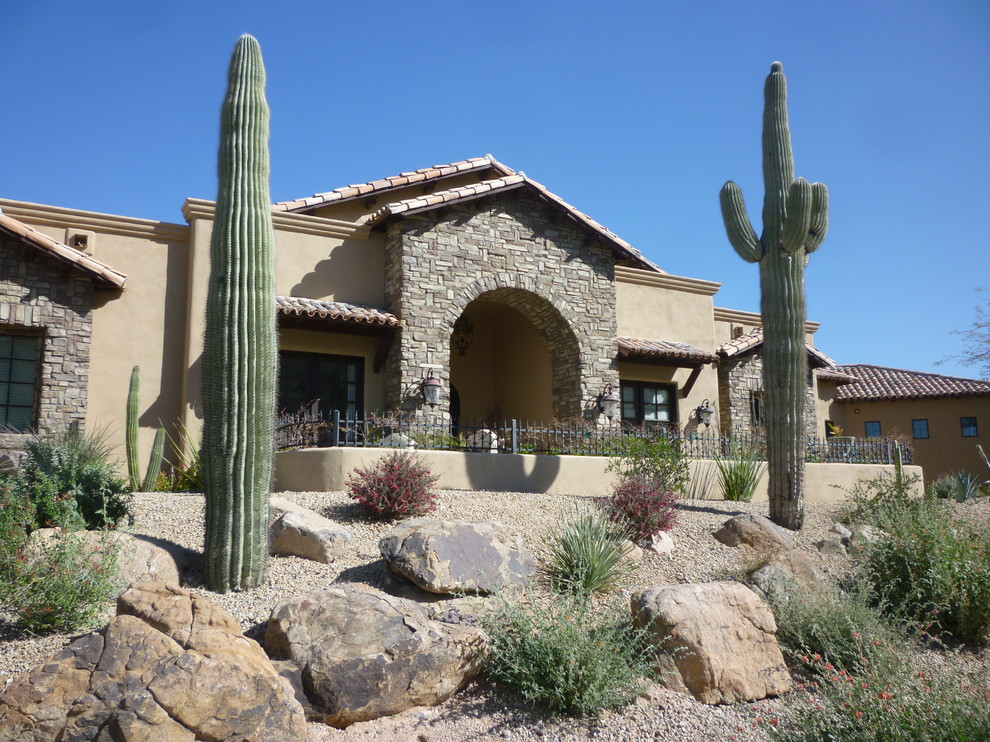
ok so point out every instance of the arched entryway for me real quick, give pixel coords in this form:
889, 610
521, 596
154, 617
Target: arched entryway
512, 355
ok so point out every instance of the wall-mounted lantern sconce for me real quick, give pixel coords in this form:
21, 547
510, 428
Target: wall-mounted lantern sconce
463, 334
608, 402
431, 387
704, 413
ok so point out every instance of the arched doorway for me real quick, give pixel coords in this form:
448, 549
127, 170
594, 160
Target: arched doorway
512, 355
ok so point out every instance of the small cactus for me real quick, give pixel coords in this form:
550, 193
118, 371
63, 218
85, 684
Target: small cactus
795, 220
240, 353
131, 441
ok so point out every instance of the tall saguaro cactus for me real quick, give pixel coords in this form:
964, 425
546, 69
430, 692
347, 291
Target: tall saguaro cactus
795, 220
240, 347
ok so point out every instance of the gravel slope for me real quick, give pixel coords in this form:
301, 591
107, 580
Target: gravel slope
481, 712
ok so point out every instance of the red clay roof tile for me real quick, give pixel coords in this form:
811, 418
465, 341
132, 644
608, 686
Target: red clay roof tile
335, 310
880, 383
663, 350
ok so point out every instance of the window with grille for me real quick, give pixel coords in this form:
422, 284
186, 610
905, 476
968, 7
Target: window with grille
20, 357
336, 381
648, 403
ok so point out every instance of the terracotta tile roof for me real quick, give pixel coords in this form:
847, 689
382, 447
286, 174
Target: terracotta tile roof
506, 183
754, 339
832, 374
424, 175
102, 273
878, 383
664, 350
334, 310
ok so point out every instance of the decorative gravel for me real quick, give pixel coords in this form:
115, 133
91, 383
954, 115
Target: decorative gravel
482, 711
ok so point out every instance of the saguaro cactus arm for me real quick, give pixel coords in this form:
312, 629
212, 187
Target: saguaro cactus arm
742, 236
797, 217
818, 227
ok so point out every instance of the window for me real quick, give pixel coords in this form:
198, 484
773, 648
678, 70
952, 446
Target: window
919, 428
336, 381
756, 409
873, 429
19, 365
648, 403
969, 429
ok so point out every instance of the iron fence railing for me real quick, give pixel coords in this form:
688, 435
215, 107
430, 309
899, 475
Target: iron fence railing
310, 428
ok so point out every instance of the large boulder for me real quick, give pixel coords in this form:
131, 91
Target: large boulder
306, 534
364, 654
714, 641
451, 556
139, 557
197, 678
755, 531
788, 572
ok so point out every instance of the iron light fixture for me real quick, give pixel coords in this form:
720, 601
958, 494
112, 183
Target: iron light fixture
431, 388
704, 413
608, 402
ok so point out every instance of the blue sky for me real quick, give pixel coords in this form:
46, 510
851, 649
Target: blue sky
634, 112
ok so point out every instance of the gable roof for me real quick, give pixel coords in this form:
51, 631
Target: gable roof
880, 383
101, 273
424, 175
417, 204
754, 338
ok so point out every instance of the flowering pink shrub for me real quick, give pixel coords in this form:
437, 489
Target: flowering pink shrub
642, 505
398, 485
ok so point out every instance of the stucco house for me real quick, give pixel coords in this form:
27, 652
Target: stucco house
472, 273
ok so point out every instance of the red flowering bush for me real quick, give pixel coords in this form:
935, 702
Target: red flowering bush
398, 485
642, 505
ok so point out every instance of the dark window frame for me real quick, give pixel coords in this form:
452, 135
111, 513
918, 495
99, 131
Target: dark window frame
640, 406
312, 381
914, 429
962, 427
866, 427
8, 362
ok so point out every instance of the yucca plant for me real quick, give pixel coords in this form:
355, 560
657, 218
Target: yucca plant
588, 555
740, 471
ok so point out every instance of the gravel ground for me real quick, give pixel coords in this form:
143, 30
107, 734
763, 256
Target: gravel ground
482, 711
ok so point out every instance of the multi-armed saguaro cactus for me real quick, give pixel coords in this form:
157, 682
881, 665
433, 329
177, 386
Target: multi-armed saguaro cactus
131, 441
795, 220
240, 348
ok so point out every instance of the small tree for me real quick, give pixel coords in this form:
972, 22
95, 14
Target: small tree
795, 220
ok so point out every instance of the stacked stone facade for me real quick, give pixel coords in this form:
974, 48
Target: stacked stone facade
738, 378
44, 297
517, 249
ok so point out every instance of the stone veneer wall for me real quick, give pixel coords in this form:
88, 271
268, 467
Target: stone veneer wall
517, 249
740, 376
45, 297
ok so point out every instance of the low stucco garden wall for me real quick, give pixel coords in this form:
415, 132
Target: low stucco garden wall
327, 470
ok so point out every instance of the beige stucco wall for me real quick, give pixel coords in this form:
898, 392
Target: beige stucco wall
327, 470
945, 450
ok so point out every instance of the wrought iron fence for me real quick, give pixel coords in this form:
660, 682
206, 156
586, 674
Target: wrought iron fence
309, 428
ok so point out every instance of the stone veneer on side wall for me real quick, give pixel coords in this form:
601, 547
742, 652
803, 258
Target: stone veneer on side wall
43, 297
740, 376
513, 248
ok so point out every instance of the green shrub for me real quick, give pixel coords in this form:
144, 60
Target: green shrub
960, 486
185, 472
58, 584
69, 480
842, 630
654, 458
900, 704
641, 505
932, 568
739, 472
588, 554
398, 485
563, 653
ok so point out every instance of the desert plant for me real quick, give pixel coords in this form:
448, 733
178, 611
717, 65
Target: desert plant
795, 220
68, 478
565, 653
589, 554
739, 472
931, 568
131, 441
960, 486
398, 485
240, 353
186, 465
656, 458
641, 506
58, 584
